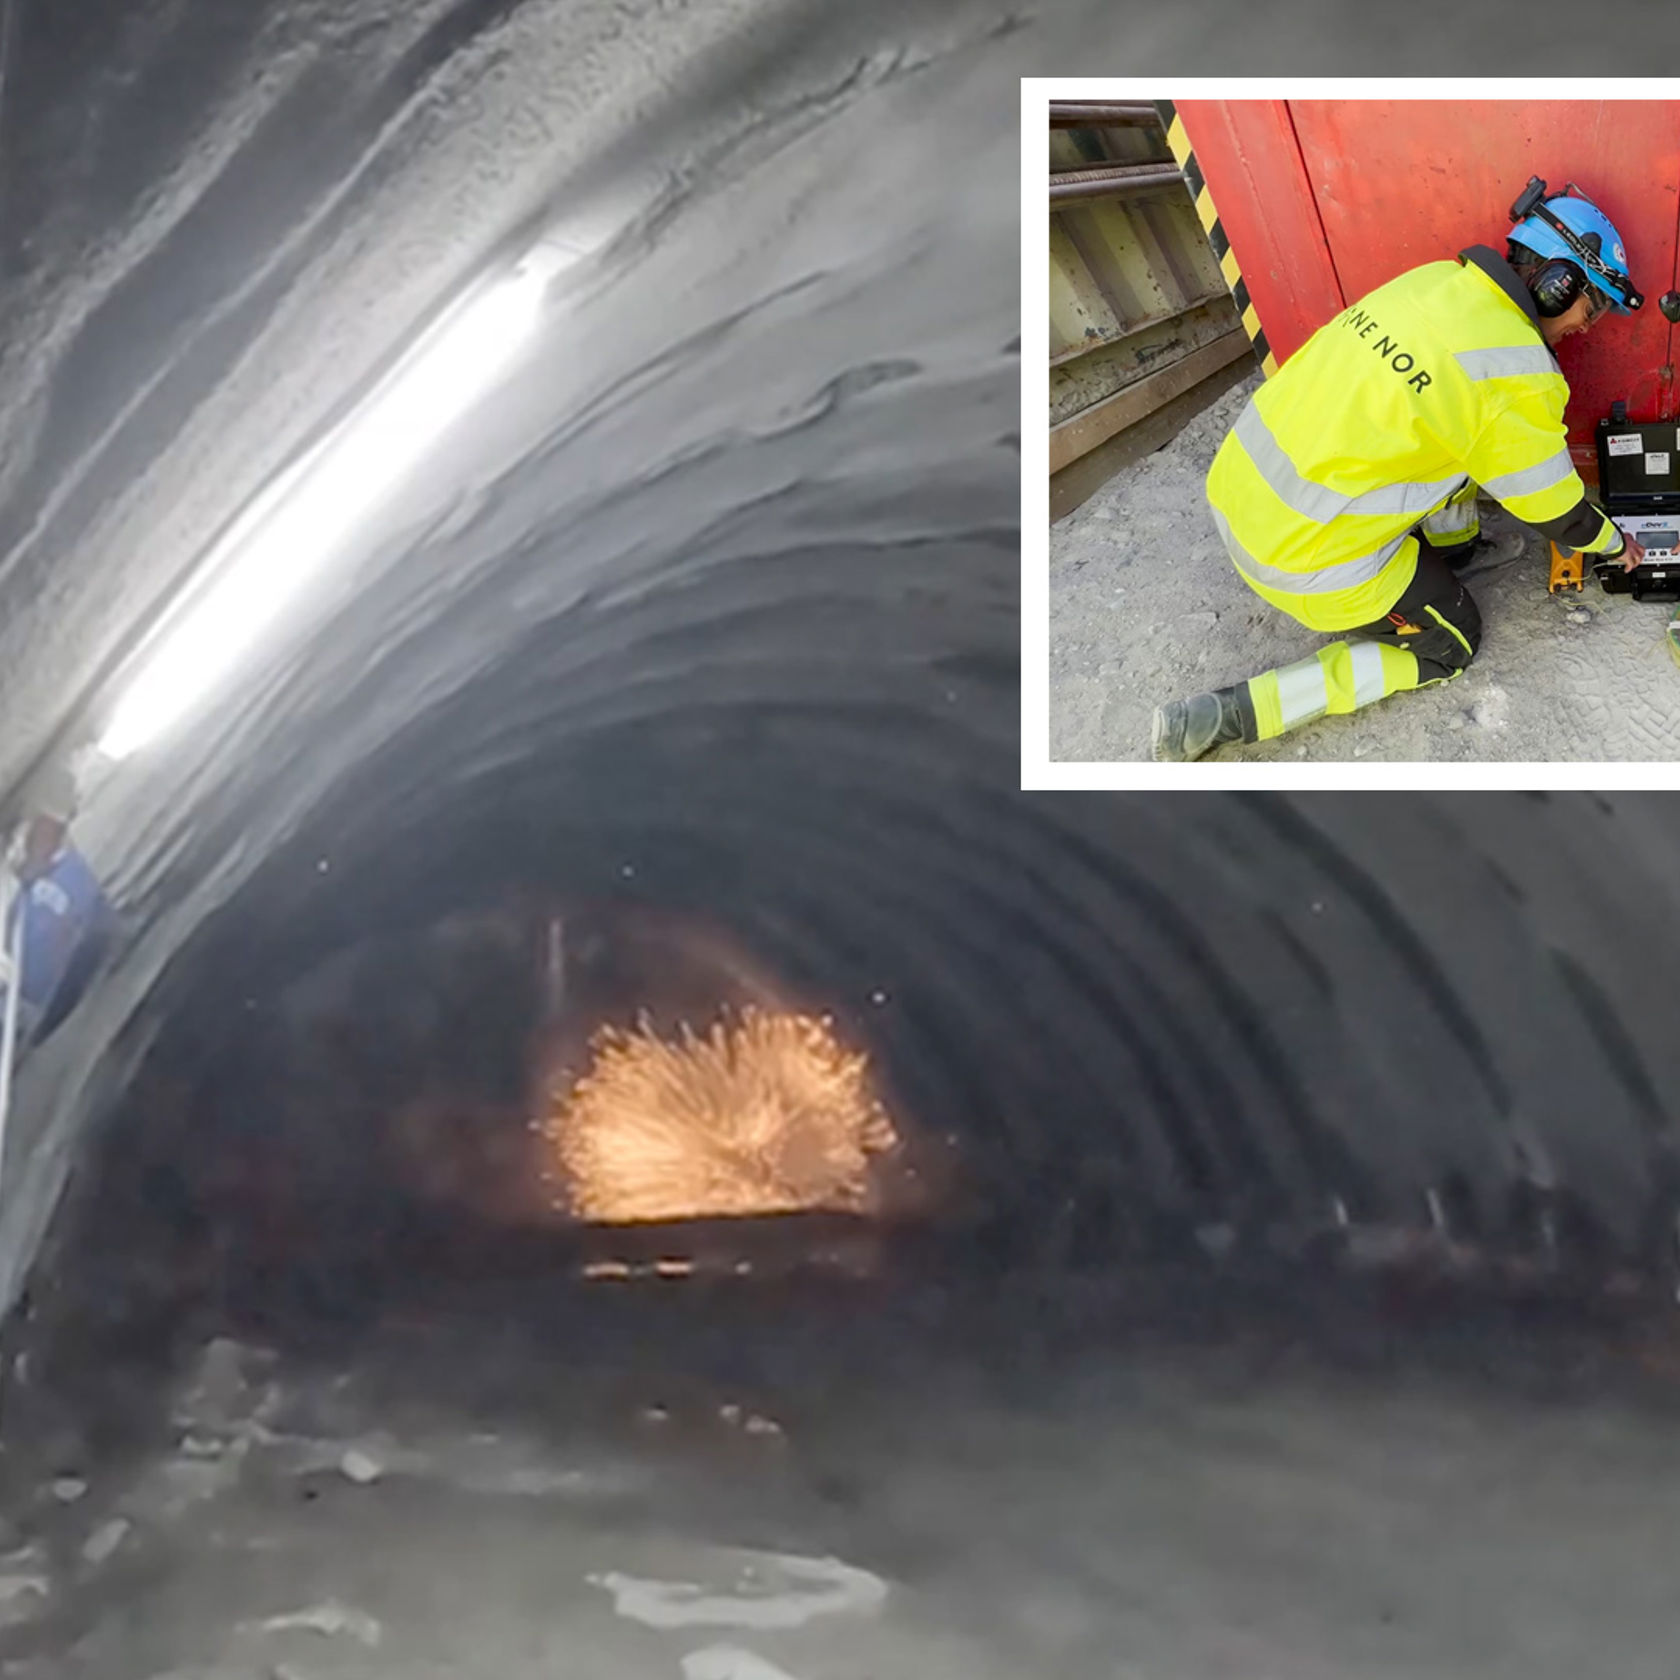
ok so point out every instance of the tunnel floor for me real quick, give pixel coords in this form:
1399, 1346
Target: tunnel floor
844, 1479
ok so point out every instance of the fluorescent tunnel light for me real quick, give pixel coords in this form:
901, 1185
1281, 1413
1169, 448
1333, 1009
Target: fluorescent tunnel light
269, 558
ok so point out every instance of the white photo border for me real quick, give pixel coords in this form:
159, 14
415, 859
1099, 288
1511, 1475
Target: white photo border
1041, 773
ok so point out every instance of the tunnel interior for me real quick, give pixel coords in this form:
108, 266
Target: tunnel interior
311, 1356
1254, 1225
358, 1087
408, 1107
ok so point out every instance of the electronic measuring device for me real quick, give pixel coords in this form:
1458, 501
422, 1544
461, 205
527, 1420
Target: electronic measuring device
1639, 487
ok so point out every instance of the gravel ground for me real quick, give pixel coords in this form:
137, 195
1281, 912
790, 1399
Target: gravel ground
1145, 605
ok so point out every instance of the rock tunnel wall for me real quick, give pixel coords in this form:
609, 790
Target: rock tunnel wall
718, 600
1213, 999
1218, 1006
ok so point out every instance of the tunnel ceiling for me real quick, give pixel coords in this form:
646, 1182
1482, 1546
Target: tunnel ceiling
714, 605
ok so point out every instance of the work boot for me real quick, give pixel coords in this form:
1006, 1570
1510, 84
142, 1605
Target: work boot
1491, 554
1185, 729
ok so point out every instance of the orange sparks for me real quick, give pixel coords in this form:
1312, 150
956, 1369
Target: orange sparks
764, 1114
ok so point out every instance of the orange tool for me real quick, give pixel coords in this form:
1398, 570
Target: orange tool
1566, 570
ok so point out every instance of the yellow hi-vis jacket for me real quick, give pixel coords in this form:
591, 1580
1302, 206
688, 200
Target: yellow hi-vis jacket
1437, 379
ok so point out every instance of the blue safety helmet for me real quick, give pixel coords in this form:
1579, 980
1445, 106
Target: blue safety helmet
1603, 260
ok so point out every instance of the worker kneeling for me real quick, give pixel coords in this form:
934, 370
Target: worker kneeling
1346, 491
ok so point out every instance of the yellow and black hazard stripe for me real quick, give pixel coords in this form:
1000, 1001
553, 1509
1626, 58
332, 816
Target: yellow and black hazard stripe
1179, 141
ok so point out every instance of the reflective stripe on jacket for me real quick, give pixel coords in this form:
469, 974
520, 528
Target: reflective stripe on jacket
1439, 378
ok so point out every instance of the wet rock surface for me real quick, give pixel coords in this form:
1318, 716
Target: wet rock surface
1051, 1478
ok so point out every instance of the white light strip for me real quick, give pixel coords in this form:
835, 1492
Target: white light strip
268, 559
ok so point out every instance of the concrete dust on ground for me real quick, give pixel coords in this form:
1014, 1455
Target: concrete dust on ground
1145, 606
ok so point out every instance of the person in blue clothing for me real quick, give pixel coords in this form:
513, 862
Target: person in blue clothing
66, 916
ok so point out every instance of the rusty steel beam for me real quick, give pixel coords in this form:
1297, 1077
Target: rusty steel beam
1112, 181
1101, 113
1082, 432
1131, 329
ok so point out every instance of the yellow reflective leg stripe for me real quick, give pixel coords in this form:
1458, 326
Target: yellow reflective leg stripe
1455, 521
1370, 681
1337, 679
1452, 539
1303, 693
1286, 698
1359, 673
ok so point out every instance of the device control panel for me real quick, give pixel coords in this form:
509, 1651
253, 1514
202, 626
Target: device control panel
1659, 534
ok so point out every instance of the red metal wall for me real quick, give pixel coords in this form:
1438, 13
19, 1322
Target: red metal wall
1323, 200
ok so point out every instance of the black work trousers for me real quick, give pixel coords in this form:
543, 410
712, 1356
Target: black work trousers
1437, 620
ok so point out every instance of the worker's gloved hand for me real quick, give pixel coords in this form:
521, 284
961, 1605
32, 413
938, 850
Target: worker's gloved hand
1634, 554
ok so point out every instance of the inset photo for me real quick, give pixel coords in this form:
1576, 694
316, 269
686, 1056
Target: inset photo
1362, 441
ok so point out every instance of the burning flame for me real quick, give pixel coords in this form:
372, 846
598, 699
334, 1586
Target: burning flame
766, 1113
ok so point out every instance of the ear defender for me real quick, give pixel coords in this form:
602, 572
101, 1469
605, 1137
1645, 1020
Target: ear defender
1555, 287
